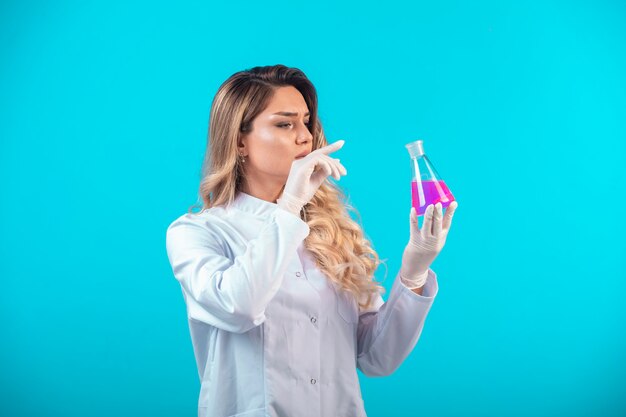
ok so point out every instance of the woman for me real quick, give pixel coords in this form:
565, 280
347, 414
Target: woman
276, 276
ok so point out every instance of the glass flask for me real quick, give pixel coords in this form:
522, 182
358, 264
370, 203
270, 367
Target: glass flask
427, 187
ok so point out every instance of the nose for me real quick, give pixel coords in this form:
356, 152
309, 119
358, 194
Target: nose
304, 135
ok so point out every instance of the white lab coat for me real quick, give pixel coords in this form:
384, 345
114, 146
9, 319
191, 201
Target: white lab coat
272, 336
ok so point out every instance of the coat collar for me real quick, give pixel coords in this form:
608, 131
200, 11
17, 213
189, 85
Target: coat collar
253, 205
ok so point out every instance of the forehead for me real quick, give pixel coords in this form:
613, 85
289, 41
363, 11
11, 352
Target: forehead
287, 99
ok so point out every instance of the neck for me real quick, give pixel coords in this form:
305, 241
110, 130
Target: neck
268, 189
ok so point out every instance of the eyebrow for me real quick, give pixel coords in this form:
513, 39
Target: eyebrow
286, 113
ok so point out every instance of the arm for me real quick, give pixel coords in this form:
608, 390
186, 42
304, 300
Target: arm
418, 291
232, 294
386, 337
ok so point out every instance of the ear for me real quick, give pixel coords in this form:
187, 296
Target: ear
241, 146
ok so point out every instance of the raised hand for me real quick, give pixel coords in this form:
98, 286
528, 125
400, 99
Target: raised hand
425, 243
307, 175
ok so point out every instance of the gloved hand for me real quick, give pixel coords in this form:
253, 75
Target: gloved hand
306, 176
425, 244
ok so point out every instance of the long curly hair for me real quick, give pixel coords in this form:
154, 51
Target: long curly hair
337, 242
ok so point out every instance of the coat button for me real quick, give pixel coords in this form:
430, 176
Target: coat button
297, 274
313, 381
313, 319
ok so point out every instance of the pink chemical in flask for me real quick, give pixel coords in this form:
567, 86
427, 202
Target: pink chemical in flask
427, 187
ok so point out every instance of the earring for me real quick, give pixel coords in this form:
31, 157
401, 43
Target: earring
243, 158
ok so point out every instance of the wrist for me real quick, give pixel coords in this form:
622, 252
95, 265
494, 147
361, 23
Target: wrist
290, 203
416, 281
289, 210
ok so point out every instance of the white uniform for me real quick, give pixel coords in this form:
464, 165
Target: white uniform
272, 336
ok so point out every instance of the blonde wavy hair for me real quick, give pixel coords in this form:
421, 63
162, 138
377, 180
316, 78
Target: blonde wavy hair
337, 242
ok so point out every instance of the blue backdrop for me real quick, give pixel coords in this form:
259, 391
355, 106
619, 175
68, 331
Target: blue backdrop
104, 112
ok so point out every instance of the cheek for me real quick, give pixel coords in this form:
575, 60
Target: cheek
270, 155
271, 162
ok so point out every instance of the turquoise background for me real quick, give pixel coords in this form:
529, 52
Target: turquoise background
522, 106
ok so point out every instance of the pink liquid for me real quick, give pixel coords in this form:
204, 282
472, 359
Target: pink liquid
433, 192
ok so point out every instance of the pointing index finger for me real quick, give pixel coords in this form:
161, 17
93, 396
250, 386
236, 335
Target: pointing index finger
332, 147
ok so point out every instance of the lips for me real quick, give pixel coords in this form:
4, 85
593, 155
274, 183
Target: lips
302, 155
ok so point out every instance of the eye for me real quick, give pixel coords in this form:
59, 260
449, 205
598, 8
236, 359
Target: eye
309, 124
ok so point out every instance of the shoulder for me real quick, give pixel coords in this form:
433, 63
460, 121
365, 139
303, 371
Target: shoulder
206, 224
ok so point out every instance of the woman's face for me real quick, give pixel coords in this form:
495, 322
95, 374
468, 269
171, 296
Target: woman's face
277, 139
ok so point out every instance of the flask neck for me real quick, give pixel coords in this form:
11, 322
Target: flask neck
416, 149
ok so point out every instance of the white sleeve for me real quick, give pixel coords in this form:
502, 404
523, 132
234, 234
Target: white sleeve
386, 337
226, 293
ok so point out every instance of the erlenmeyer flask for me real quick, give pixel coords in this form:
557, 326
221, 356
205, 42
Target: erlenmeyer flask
427, 187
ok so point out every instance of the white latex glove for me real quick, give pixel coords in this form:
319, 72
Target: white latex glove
306, 176
425, 244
